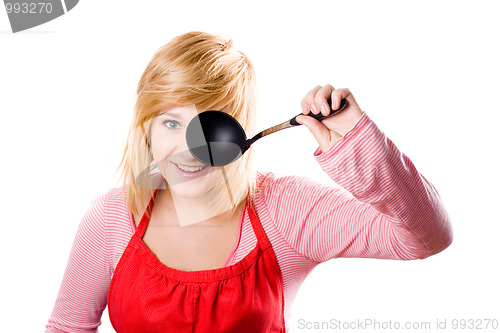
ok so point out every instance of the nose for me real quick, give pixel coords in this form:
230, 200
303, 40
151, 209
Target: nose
182, 154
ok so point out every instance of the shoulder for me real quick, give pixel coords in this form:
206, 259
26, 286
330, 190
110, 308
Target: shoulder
110, 209
276, 187
263, 178
266, 178
115, 197
267, 181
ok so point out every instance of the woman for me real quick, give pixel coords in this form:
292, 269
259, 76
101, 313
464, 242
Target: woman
181, 250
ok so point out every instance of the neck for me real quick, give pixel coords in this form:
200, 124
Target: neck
197, 210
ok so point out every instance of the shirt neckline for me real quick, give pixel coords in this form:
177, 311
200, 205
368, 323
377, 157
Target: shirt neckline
210, 275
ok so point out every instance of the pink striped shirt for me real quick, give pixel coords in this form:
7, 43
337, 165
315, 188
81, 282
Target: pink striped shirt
384, 209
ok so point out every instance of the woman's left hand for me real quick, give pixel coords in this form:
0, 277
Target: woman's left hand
328, 131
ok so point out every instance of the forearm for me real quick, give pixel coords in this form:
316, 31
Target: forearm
369, 166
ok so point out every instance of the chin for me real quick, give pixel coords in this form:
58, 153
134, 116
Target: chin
186, 191
189, 188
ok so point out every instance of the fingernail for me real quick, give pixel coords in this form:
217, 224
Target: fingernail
315, 108
324, 110
333, 105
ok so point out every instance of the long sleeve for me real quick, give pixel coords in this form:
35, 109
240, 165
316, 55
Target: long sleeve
83, 293
384, 209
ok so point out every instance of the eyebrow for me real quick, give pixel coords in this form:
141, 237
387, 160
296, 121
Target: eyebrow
171, 114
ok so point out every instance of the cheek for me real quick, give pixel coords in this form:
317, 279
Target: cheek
160, 147
160, 151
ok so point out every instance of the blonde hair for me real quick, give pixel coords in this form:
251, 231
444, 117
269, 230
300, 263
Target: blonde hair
201, 69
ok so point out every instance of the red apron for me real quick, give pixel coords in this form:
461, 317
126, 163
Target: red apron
147, 296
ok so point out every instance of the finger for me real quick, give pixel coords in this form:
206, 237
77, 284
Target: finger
322, 97
319, 131
337, 95
308, 104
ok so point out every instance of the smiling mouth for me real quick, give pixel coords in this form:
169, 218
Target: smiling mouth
191, 169
191, 166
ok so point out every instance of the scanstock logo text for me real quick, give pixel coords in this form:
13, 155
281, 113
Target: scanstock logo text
25, 14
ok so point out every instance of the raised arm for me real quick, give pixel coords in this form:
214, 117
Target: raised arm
385, 208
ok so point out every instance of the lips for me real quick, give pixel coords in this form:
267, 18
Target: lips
190, 169
190, 166
188, 174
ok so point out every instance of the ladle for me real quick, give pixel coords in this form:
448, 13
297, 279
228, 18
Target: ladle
215, 138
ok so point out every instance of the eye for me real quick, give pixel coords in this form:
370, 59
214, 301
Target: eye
168, 122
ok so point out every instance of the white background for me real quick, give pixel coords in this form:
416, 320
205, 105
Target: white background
427, 72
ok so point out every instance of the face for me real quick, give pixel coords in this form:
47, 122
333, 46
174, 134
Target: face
171, 153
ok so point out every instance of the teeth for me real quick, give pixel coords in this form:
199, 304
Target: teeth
189, 169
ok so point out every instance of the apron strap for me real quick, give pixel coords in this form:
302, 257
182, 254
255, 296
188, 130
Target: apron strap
145, 218
257, 226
